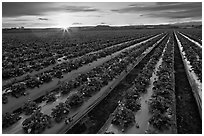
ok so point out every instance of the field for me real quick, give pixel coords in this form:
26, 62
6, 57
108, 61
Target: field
97, 81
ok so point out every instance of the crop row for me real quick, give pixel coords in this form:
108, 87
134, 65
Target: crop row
187, 107
124, 116
93, 81
18, 89
39, 60
162, 104
105, 72
193, 46
193, 54
20, 57
194, 34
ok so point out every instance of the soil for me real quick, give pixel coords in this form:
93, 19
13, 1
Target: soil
188, 118
99, 115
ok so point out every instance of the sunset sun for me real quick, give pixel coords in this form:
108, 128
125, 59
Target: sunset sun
64, 28
63, 22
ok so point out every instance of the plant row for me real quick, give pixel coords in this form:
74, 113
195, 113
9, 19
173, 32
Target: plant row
123, 116
193, 54
18, 89
24, 55
163, 98
195, 34
88, 84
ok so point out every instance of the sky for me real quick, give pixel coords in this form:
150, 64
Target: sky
70, 14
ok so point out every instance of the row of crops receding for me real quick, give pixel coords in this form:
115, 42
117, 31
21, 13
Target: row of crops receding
112, 81
27, 53
19, 88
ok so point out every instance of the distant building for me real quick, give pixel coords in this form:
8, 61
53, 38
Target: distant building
21, 27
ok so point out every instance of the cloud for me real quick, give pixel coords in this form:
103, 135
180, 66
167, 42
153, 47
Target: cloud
103, 23
25, 24
80, 9
90, 15
17, 19
194, 13
43, 19
172, 10
14, 9
76, 23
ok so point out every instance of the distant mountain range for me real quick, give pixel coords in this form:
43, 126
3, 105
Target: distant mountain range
188, 23
195, 24
183, 24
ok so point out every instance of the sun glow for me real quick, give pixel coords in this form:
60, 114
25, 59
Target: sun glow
64, 28
63, 22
